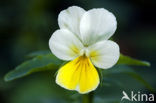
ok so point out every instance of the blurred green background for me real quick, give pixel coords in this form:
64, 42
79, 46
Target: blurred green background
26, 26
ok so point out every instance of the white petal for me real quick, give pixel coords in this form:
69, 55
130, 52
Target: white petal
70, 19
65, 45
104, 54
97, 24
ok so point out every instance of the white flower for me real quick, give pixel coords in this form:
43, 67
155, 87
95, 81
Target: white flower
83, 40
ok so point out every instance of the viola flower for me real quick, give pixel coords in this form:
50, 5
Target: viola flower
83, 40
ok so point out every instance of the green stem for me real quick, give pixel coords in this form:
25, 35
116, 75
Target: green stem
87, 98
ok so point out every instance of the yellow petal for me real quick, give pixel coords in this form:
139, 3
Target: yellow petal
79, 74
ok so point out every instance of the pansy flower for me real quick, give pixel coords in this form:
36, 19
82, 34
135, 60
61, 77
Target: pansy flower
83, 41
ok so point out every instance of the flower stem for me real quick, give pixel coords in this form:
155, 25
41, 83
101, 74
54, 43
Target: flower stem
87, 98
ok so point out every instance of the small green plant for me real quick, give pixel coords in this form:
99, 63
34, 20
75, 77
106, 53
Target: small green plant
92, 57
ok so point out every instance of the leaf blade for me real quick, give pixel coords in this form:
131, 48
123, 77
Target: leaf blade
122, 69
39, 63
131, 61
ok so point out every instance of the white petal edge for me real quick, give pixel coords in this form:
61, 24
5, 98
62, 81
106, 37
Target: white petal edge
97, 24
65, 45
70, 19
104, 54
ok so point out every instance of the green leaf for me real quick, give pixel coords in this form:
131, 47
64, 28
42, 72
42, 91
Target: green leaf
131, 61
39, 63
40, 88
38, 53
118, 69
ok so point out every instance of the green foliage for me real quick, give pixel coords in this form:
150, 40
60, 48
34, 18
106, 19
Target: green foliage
122, 69
40, 88
45, 61
131, 61
38, 53
38, 63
